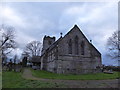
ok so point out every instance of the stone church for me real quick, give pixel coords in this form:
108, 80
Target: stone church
71, 54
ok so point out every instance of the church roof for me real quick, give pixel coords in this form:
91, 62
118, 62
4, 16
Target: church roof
74, 28
77, 28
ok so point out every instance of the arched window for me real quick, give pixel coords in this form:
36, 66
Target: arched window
82, 48
76, 46
70, 46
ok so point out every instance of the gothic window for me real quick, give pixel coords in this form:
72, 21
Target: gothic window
82, 48
70, 46
76, 46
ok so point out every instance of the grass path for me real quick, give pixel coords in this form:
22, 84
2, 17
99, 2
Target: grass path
27, 74
13, 79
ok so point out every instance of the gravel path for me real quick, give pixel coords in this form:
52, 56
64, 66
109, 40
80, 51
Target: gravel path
27, 74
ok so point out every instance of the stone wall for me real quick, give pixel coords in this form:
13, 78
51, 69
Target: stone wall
59, 60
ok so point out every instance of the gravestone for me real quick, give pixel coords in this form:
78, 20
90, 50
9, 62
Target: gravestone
24, 62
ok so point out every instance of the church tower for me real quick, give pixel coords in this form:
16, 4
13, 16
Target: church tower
47, 41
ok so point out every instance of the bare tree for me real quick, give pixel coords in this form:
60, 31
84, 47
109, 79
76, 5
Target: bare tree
33, 48
113, 45
7, 40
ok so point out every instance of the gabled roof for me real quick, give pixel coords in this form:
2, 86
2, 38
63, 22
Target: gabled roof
77, 28
56, 42
74, 28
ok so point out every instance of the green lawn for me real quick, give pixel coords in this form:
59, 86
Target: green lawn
97, 76
14, 80
0, 80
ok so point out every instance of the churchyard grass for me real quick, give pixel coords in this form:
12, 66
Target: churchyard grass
15, 80
97, 76
0, 79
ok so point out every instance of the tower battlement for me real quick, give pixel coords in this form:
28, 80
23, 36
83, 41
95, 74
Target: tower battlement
47, 41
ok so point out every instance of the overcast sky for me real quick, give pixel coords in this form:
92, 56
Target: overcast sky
97, 20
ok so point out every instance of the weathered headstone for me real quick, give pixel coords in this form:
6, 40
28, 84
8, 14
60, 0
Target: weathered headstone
24, 62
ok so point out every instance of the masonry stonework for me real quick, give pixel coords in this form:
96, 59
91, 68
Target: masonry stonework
71, 54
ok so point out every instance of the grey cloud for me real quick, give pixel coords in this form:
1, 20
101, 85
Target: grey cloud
34, 20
